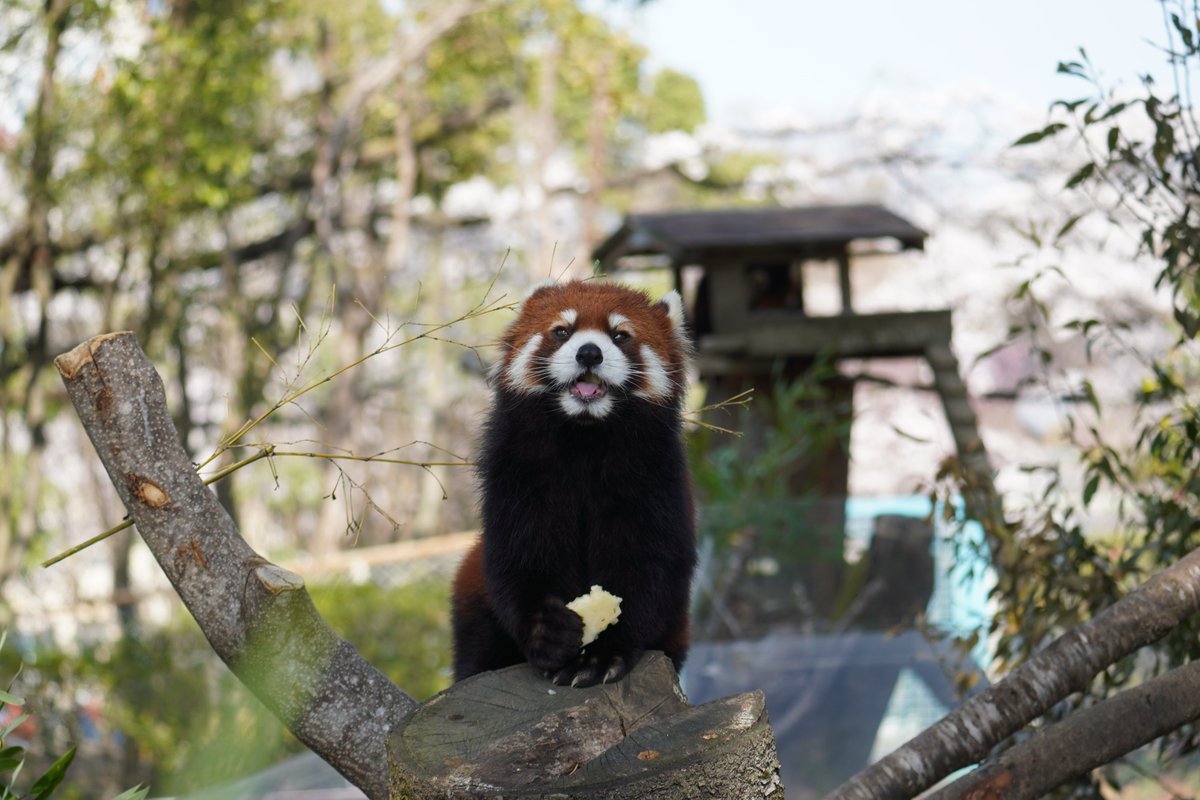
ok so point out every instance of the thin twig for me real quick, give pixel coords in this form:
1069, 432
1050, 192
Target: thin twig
482, 308
741, 399
99, 537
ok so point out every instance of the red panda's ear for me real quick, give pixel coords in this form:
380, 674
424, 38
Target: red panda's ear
672, 304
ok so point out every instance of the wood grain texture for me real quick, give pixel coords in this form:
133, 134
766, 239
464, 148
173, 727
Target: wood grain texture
512, 733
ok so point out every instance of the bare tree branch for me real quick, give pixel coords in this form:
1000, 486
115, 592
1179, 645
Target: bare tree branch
966, 735
1087, 739
257, 616
387, 70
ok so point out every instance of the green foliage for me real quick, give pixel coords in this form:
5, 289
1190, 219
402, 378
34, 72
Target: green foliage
185, 120
595, 63
752, 482
192, 723
13, 759
403, 631
493, 60
676, 103
759, 516
1139, 165
136, 793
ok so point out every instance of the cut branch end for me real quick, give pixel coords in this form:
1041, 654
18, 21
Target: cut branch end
72, 361
276, 579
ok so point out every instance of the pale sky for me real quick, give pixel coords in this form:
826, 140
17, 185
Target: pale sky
821, 56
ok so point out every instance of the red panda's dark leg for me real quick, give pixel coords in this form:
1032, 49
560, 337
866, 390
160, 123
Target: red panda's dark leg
676, 642
480, 644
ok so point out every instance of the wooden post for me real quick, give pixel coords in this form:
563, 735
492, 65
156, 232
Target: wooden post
844, 281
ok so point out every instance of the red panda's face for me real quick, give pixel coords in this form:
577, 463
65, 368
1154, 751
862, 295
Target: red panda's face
595, 345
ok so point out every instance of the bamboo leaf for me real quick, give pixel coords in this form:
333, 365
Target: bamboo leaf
12, 726
45, 785
1037, 136
11, 758
1068, 225
1080, 175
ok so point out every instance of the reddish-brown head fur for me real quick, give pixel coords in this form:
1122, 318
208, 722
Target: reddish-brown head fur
597, 336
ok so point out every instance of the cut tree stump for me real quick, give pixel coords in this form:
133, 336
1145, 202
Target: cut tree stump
513, 734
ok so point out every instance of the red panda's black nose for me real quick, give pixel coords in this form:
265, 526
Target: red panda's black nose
589, 355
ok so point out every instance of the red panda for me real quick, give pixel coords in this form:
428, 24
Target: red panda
583, 481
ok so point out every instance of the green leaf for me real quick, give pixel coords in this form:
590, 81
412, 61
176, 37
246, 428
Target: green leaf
1113, 110
1188, 321
1114, 138
991, 351
11, 758
12, 726
1068, 225
1089, 491
1069, 105
1090, 393
1081, 175
138, 792
11, 699
12, 781
1185, 33
45, 785
1164, 143
1037, 136
1148, 239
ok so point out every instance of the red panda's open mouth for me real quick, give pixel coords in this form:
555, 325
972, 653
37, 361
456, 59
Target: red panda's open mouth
588, 388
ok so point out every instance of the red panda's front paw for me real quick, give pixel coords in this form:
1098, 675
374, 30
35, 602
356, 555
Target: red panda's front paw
556, 636
591, 669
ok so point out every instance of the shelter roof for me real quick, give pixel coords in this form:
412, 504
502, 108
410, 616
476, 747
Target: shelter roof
806, 229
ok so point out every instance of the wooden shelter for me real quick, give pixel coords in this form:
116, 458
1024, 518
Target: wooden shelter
753, 323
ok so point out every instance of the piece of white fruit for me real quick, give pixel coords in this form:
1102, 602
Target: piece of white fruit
598, 609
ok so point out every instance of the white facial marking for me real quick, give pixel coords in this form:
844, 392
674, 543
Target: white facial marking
568, 317
575, 407
518, 369
616, 320
613, 370
658, 382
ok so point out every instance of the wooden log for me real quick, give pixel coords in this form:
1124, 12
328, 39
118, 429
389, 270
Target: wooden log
513, 734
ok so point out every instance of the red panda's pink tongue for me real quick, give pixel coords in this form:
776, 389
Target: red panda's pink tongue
586, 390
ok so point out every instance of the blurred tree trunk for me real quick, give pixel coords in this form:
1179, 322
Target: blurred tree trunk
602, 113
368, 295
433, 382
24, 389
232, 332
546, 142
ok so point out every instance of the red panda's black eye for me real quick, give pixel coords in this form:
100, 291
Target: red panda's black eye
561, 333
620, 336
